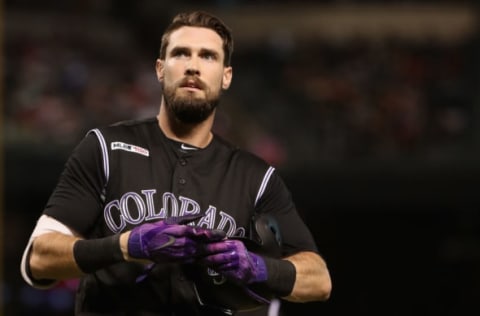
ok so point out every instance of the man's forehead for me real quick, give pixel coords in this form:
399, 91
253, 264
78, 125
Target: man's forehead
195, 37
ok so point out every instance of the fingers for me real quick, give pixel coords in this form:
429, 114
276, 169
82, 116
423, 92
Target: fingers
222, 260
207, 235
183, 241
224, 254
198, 233
195, 233
171, 239
225, 246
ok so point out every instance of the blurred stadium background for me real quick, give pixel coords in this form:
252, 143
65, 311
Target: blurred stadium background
369, 109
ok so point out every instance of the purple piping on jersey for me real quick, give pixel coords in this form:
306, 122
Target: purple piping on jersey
266, 177
103, 145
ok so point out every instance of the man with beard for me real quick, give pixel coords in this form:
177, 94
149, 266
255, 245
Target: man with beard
155, 215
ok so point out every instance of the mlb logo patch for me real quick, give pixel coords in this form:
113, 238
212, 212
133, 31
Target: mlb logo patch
130, 148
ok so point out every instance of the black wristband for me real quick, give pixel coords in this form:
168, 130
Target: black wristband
95, 254
281, 275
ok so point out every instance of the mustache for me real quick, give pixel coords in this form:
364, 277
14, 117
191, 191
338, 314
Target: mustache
191, 81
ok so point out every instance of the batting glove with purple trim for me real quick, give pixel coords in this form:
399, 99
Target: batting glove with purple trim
232, 259
171, 240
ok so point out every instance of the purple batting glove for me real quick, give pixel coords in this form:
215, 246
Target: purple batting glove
171, 240
232, 259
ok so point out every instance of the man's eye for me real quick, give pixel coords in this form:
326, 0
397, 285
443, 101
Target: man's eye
179, 54
210, 56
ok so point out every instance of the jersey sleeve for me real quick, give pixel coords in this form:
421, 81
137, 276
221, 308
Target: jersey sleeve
277, 201
77, 199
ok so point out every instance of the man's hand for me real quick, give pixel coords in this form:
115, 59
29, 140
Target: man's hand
171, 240
232, 259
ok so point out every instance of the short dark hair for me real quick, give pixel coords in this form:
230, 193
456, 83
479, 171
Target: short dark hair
200, 19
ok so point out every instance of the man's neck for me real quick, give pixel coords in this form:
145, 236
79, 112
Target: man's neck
198, 135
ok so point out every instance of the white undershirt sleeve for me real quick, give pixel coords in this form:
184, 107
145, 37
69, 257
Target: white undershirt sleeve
45, 224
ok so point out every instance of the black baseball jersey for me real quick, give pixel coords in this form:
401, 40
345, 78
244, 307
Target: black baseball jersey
130, 173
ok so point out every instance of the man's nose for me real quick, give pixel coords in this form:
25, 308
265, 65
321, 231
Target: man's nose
192, 71
192, 67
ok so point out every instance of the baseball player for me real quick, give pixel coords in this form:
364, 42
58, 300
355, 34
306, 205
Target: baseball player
162, 217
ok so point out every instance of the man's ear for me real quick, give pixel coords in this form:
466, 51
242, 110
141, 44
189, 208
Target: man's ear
159, 69
227, 77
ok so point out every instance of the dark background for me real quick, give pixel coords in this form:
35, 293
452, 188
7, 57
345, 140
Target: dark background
369, 109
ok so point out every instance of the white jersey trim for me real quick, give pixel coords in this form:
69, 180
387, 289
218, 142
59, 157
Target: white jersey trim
45, 224
265, 180
104, 148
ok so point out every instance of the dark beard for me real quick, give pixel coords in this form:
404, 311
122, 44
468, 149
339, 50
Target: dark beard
189, 110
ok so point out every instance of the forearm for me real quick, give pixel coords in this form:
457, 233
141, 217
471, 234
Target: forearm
52, 257
312, 282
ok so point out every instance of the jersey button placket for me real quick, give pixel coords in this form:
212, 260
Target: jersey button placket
183, 163
181, 174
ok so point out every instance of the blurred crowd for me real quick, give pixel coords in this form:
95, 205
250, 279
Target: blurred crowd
362, 99
292, 102
62, 80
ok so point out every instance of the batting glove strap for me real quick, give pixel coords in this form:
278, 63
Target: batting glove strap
281, 276
95, 254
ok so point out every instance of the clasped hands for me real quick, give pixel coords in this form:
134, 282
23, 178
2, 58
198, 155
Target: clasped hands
172, 240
